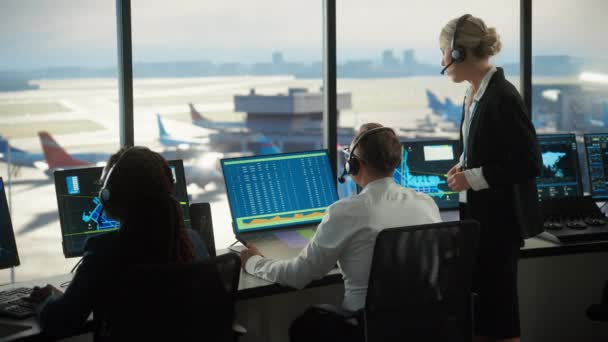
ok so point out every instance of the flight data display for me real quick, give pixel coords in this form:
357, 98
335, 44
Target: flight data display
424, 168
8, 248
81, 212
560, 175
278, 190
596, 146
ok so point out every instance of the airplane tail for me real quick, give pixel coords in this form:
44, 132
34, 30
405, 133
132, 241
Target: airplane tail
195, 115
161, 127
5, 146
265, 145
434, 103
55, 155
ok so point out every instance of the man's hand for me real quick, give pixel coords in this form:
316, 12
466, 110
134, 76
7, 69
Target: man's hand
458, 182
39, 294
456, 168
248, 252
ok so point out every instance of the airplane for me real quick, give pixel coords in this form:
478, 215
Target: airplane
199, 120
56, 157
447, 111
18, 157
168, 140
52, 148
21, 158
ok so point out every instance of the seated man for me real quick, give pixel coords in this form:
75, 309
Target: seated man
348, 231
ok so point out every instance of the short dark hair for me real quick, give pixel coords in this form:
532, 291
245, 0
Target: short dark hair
381, 151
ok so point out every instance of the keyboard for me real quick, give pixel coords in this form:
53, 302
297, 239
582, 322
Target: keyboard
14, 303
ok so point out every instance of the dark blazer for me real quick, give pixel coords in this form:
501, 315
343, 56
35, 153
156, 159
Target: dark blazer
503, 141
89, 291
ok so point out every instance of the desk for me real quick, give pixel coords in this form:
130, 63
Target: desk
34, 333
556, 284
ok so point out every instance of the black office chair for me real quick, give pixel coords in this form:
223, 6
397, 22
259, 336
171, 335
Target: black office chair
599, 312
201, 221
179, 302
420, 284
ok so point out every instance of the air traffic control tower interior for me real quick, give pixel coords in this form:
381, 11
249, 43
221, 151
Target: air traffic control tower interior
255, 107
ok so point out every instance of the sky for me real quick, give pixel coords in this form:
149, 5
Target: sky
43, 33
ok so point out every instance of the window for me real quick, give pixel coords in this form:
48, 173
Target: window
569, 69
215, 80
57, 74
389, 62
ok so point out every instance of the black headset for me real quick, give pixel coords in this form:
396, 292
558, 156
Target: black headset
352, 164
105, 194
458, 52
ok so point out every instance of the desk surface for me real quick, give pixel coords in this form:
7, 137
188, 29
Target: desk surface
34, 332
253, 287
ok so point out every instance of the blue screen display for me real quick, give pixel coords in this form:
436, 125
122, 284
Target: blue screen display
560, 175
279, 190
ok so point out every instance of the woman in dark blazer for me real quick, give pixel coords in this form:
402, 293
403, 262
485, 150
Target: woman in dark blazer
141, 196
496, 173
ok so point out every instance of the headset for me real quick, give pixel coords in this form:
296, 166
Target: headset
352, 164
105, 194
458, 52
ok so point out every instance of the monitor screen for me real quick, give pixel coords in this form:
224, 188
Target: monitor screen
81, 213
8, 248
560, 174
278, 190
424, 166
596, 146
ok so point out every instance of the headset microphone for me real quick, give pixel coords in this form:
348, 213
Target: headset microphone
446, 67
457, 53
341, 179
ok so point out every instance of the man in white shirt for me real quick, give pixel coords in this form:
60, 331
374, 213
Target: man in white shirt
348, 231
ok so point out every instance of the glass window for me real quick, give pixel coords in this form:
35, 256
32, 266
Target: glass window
389, 62
58, 96
569, 73
222, 79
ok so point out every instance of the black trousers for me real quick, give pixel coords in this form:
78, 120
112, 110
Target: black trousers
319, 326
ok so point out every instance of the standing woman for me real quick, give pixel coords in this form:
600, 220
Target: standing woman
496, 173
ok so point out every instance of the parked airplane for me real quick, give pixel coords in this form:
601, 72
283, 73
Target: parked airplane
168, 140
18, 157
447, 111
199, 120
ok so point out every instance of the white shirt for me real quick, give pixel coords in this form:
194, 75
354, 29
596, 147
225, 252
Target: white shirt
347, 235
474, 176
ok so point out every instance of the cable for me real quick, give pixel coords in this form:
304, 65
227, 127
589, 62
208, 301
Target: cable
76, 266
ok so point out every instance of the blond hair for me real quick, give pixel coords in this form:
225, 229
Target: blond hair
474, 35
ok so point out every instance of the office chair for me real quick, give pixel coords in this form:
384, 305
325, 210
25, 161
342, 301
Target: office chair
200, 218
419, 285
179, 302
599, 312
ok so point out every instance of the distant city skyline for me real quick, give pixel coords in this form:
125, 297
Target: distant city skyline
41, 34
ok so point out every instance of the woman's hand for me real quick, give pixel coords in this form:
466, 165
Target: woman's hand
454, 169
39, 294
458, 182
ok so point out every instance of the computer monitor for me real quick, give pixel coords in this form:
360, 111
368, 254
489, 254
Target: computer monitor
560, 174
424, 166
81, 212
278, 190
8, 248
596, 146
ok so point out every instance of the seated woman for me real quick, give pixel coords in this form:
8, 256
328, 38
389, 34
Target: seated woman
138, 190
